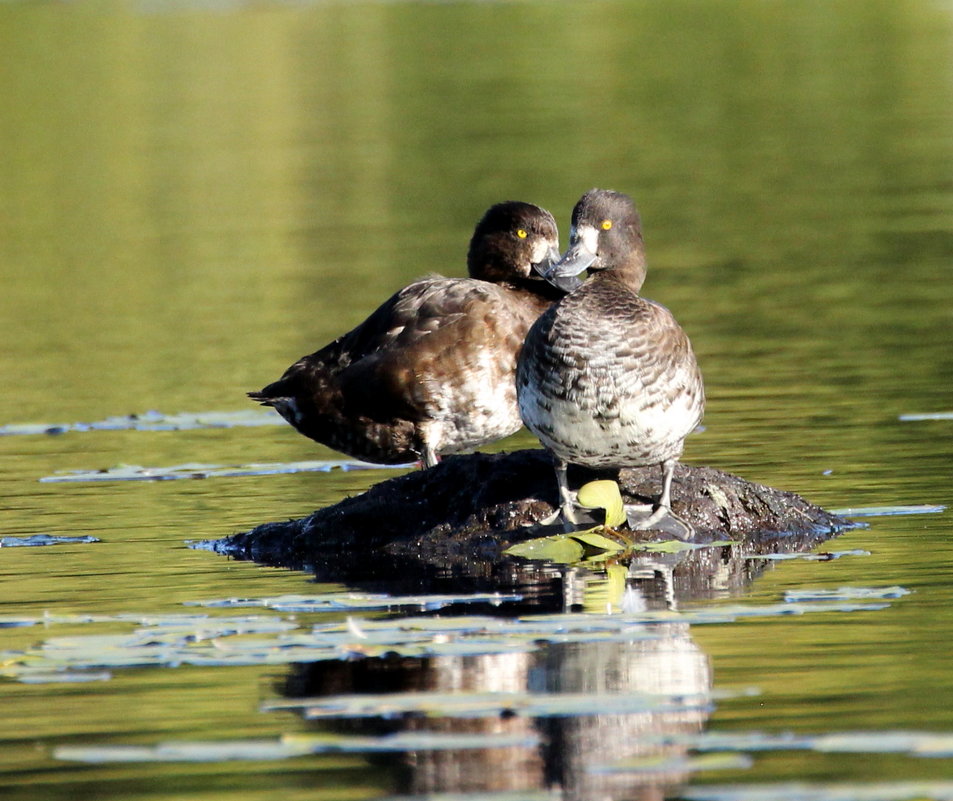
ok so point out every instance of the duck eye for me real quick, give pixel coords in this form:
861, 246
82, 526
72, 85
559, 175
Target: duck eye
606, 225
521, 233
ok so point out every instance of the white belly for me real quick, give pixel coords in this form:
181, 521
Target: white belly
644, 431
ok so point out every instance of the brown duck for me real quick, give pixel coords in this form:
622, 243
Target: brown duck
432, 370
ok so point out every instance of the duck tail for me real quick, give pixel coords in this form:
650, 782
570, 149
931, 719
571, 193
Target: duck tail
262, 397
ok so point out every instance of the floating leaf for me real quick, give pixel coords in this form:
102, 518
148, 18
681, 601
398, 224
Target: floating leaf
593, 538
845, 594
676, 764
17, 622
603, 495
355, 601
823, 556
153, 421
911, 743
64, 677
886, 511
289, 746
559, 549
194, 470
485, 795
869, 791
412, 741
38, 540
174, 640
676, 546
257, 750
487, 705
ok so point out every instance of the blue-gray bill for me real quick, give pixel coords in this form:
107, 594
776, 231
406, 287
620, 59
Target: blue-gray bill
565, 272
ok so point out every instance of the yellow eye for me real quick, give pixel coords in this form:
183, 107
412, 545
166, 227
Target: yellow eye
606, 225
521, 233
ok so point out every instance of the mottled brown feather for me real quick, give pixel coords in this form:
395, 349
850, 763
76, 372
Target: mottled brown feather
433, 366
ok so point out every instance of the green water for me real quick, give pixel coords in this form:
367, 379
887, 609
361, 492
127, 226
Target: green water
194, 195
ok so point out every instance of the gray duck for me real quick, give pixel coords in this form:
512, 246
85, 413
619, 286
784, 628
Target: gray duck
606, 378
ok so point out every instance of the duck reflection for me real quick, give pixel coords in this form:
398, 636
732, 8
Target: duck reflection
661, 659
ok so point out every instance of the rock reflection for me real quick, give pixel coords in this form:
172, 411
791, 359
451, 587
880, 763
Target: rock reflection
668, 663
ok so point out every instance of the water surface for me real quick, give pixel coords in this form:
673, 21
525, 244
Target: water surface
194, 195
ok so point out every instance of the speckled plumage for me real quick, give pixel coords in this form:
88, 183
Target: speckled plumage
431, 370
608, 379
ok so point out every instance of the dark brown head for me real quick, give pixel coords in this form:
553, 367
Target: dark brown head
606, 235
513, 244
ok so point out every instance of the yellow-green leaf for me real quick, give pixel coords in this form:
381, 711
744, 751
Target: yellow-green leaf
594, 539
560, 548
603, 494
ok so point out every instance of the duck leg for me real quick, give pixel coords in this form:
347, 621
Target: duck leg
430, 456
566, 501
662, 518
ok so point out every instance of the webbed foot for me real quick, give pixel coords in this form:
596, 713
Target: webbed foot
642, 517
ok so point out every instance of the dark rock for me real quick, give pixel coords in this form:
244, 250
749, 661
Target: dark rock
463, 513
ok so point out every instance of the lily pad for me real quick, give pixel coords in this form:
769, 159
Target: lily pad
38, 540
678, 764
174, 640
823, 556
845, 594
289, 746
868, 791
926, 416
64, 677
486, 705
559, 549
483, 795
153, 421
910, 743
356, 601
194, 470
887, 511
17, 622
676, 546
489, 795
594, 538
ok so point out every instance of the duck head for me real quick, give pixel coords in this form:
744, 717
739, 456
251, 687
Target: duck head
513, 243
606, 236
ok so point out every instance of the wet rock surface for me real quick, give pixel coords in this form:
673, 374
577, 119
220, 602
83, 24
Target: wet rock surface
462, 514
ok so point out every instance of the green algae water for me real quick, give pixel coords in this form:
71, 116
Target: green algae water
195, 194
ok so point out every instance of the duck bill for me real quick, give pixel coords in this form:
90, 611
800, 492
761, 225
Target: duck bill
548, 259
564, 272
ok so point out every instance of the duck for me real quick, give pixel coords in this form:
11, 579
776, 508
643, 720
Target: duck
431, 371
606, 378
